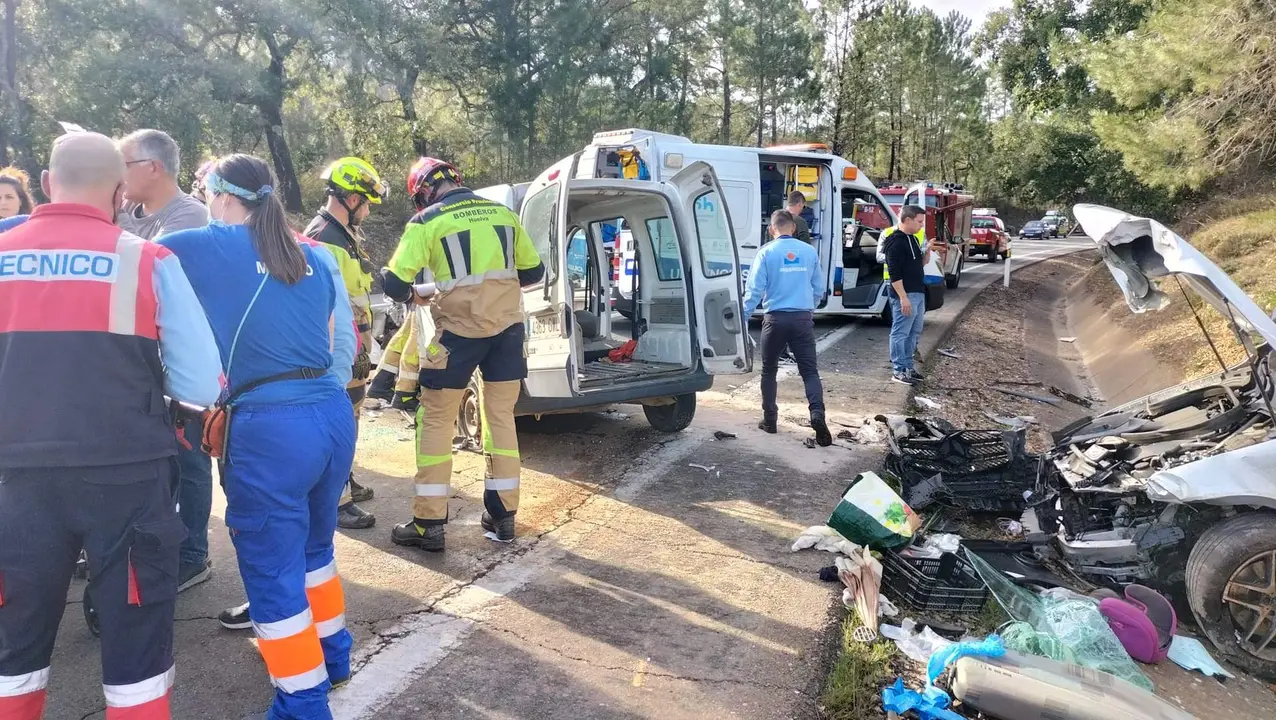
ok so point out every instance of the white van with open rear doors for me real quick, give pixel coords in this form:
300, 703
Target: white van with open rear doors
688, 324
844, 209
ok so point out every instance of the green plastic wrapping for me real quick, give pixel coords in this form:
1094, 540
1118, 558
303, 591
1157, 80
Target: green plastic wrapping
1065, 628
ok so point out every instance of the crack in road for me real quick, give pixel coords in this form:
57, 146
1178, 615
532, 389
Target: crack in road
689, 548
387, 637
592, 662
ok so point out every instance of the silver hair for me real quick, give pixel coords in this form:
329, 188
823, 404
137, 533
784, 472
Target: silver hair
155, 145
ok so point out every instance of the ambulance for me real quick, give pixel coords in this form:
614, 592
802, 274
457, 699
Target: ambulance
844, 209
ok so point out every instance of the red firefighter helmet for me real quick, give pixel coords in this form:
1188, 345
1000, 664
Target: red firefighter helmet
425, 175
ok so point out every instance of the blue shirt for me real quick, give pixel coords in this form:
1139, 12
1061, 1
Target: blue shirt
8, 224
190, 368
306, 325
785, 276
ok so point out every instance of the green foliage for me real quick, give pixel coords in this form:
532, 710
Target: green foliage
854, 687
1052, 101
1191, 90
905, 93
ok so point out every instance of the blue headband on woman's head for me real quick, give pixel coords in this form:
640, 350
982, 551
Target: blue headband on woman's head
218, 185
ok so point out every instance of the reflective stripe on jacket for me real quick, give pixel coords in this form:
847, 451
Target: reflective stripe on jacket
473, 248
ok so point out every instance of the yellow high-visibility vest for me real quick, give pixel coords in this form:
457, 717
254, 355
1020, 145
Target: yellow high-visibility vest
921, 241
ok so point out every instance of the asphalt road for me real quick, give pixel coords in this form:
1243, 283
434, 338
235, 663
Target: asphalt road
652, 575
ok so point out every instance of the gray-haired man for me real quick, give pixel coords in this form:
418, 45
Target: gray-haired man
155, 205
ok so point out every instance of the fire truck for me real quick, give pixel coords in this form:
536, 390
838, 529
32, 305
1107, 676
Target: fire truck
948, 221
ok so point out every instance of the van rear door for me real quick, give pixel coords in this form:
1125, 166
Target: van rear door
551, 365
709, 246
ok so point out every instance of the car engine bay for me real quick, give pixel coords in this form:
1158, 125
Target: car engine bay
1101, 504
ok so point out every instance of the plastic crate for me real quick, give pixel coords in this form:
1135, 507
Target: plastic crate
997, 490
917, 583
969, 450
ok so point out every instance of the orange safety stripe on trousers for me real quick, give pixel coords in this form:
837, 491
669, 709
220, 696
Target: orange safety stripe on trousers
293, 655
327, 600
154, 710
28, 706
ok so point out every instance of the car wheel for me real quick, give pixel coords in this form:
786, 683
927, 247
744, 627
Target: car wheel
953, 280
1231, 588
469, 417
934, 297
674, 417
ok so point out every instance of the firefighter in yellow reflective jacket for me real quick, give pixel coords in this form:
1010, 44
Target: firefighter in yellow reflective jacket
353, 188
479, 258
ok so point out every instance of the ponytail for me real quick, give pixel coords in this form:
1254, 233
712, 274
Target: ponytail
249, 180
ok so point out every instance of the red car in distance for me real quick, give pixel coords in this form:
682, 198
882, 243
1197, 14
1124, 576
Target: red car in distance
988, 237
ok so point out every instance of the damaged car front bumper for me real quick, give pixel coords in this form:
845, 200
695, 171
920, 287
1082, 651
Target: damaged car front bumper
1123, 495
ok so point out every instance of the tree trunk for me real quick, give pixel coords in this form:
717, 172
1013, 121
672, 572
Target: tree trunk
14, 135
684, 81
761, 107
726, 99
407, 99
271, 109
272, 117
529, 165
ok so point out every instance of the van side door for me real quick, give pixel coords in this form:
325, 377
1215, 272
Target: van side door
547, 312
709, 245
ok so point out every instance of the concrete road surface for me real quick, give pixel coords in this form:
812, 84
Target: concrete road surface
651, 577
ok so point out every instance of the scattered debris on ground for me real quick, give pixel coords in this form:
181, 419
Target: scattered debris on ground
1007, 340
1060, 642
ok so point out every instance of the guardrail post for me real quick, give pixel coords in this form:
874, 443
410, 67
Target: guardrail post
1005, 282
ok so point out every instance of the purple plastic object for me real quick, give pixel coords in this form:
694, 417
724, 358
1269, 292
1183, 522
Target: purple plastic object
1144, 622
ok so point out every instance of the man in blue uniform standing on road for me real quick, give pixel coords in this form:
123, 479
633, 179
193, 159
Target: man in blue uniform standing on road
787, 281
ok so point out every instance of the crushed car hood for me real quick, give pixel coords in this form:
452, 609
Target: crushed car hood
1139, 251
1207, 441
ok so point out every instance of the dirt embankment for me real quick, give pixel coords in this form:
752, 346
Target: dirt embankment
1009, 339
1131, 355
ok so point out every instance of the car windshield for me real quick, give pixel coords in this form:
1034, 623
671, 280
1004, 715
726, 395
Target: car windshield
1034, 225
983, 223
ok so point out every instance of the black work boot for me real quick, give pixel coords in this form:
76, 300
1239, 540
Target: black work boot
382, 386
410, 534
504, 528
767, 425
360, 493
405, 401
353, 517
823, 437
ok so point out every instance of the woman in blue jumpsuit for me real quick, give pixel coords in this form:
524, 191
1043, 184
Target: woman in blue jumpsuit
283, 328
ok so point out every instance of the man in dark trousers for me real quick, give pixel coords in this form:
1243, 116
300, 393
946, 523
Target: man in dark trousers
787, 281
89, 463
906, 261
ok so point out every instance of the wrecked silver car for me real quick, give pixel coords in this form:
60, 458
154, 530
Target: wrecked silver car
1176, 489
